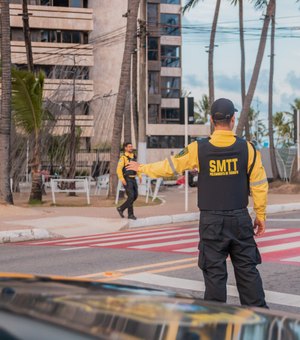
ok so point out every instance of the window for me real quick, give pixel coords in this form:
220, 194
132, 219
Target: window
153, 82
61, 3
170, 56
170, 116
153, 114
152, 14
75, 3
172, 2
165, 142
152, 48
170, 24
170, 87
58, 36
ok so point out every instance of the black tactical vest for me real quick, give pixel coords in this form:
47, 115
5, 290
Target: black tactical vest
129, 173
222, 180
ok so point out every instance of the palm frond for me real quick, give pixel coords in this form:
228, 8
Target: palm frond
189, 4
260, 4
27, 100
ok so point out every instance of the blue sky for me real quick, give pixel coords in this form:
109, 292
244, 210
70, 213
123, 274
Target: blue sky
227, 54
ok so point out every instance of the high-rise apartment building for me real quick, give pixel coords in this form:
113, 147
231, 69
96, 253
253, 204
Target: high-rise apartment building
165, 118
60, 44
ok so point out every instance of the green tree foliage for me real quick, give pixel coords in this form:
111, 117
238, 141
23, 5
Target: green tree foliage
201, 110
29, 117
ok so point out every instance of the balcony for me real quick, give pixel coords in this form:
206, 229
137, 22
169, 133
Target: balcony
53, 54
58, 90
84, 122
47, 17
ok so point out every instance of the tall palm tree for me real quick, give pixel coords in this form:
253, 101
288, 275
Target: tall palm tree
29, 115
243, 58
258, 62
132, 14
27, 35
211, 88
270, 104
5, 118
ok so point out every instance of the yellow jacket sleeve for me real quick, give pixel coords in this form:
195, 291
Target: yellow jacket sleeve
120, 167
258, 184
185, 160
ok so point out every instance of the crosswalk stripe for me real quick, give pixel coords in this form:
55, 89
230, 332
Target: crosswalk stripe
128, 237
162, 244
187, 250
278, 237
102, 236
292, 259
146, 239
277, 247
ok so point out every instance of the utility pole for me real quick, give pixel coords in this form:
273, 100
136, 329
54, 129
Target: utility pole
27, 36
142, 83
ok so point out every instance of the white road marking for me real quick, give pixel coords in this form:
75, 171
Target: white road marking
293, 259
75, 248
278, 237
126, 237
283, 246
162, 244
173, 282
187, 250
145, 239
283, 219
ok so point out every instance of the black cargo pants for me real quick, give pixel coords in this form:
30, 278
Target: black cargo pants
131, 189
224, 233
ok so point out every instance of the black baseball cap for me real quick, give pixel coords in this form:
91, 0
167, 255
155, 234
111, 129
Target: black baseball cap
222, 108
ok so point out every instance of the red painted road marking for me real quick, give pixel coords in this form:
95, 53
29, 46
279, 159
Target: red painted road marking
277, 245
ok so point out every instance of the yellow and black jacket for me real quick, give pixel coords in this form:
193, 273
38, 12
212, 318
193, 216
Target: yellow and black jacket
123, 162
188, 159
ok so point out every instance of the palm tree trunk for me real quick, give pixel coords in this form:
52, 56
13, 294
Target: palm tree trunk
27, 36
72, 150
127, 118
211, 86
36, 185
133, 6
134, 98
243, 62
254, 78
5, 121
270, 108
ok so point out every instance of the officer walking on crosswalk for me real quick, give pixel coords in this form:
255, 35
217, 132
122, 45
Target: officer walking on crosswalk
127, 177
229, 168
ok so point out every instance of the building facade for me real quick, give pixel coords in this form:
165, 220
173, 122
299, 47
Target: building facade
165, 128
60, 44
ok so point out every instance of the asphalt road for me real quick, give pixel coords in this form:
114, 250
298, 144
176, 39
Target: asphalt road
162, 268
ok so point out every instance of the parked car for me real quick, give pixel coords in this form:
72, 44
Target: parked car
46, 308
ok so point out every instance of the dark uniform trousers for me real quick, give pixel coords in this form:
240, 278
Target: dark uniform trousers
224, 233
131, 189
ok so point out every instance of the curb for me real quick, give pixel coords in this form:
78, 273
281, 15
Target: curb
190, 217
39, 234
24, 235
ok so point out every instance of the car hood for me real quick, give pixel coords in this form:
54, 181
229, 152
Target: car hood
112, 311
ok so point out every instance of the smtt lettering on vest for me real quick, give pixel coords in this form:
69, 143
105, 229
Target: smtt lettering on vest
224, 167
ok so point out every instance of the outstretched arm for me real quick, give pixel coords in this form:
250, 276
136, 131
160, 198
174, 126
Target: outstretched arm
184, 160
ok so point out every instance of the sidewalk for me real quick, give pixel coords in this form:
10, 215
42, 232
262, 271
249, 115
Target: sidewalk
20, 224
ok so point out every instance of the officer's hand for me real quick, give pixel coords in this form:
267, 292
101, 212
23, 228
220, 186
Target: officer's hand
133, 166
124, 182
259, 227
140, 180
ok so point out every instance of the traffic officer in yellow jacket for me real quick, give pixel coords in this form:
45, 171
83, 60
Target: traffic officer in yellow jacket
127, 177
229, 167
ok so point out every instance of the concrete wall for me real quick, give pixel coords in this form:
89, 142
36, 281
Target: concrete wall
108, 40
